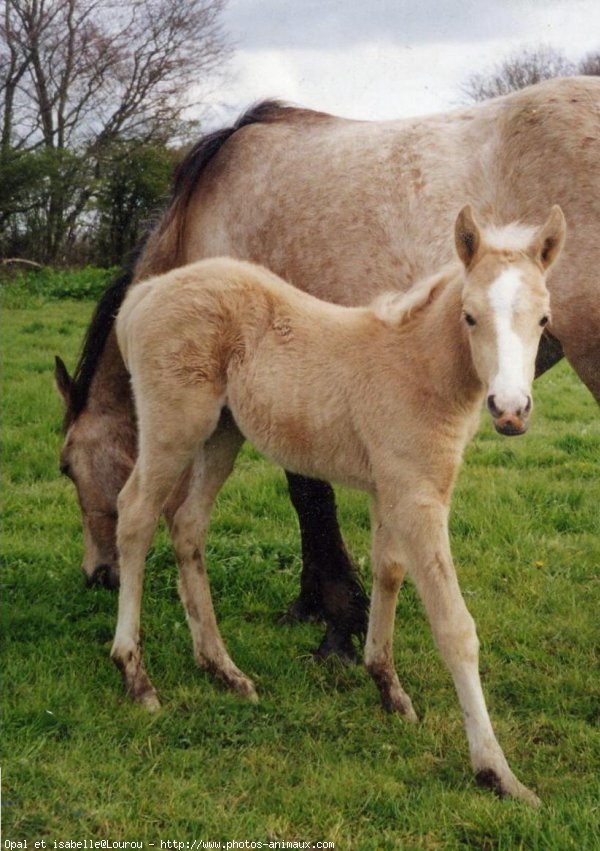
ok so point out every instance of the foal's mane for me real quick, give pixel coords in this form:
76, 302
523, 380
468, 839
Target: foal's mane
185, 181
399, 308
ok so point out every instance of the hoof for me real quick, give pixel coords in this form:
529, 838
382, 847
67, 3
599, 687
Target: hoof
149, 700
135, 679
302, 611
400, 704
506, 787
104, 576
244, 687
338, 645
392, 695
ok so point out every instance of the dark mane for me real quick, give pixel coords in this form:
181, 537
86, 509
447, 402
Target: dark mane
185, 180
96, 335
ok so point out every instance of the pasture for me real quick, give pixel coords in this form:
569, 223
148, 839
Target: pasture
316, 759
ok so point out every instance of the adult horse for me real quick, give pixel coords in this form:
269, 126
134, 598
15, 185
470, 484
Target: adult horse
344, 210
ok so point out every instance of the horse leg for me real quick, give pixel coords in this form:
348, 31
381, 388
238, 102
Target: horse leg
586, 363
139, 508
550, 352
388, 574
188, 526
330, 587
159, 464
429, 562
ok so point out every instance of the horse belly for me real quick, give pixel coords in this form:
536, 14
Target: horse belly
303, 424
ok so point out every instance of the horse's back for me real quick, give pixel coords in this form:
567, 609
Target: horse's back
347, 209
278, 358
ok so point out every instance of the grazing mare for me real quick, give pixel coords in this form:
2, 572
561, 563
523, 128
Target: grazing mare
382, 398
346, 210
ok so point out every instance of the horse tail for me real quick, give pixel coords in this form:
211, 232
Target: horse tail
165, 248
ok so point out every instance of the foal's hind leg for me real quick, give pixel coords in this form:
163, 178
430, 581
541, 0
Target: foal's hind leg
166, 447
212, 465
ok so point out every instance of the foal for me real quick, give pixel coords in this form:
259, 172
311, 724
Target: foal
382, 398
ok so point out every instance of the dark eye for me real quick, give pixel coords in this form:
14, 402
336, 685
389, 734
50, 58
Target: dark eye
469, 319
65, 470
544, 320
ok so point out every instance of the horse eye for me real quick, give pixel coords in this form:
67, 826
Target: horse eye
469, 319
544, 321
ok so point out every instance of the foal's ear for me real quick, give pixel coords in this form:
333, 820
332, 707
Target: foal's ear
550, 238
467, 236
62, 380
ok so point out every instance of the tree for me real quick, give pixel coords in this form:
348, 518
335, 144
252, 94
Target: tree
525, 69
36, 185
137, 176
590, 65
77, 76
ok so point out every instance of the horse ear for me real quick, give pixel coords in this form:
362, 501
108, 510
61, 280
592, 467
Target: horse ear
62, 380
550, 239
467, 236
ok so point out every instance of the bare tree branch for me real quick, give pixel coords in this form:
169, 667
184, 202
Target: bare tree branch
78, 75
97, 69
517, 71
590, 65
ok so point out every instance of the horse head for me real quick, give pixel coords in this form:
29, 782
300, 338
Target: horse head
506, 305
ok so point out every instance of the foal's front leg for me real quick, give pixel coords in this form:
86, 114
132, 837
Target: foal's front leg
188, 527
388, 574
422, 536
167, 446
139, 506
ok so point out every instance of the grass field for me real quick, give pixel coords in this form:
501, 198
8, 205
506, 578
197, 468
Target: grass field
316, 759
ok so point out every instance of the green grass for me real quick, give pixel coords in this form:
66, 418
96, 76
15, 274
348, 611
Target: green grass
316, 758
36, 287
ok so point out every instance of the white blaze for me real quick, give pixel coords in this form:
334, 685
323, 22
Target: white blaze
510, 385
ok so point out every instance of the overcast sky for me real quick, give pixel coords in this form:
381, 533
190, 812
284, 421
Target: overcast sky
386, 58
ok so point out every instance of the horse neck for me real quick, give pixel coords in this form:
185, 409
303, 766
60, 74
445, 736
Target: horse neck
110, 390
441, 335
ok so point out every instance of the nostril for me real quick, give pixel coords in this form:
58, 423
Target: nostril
522, 412
492, 407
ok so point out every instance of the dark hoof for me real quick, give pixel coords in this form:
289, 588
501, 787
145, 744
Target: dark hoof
104, 576
302, 611
341, 646
509, 787
399, 704
488, 779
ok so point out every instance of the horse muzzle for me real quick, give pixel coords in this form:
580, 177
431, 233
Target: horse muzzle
507, 422
510, 426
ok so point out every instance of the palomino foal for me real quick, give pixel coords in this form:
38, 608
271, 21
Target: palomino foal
382, 398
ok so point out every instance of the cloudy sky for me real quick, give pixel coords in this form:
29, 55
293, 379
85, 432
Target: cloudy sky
386, 58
